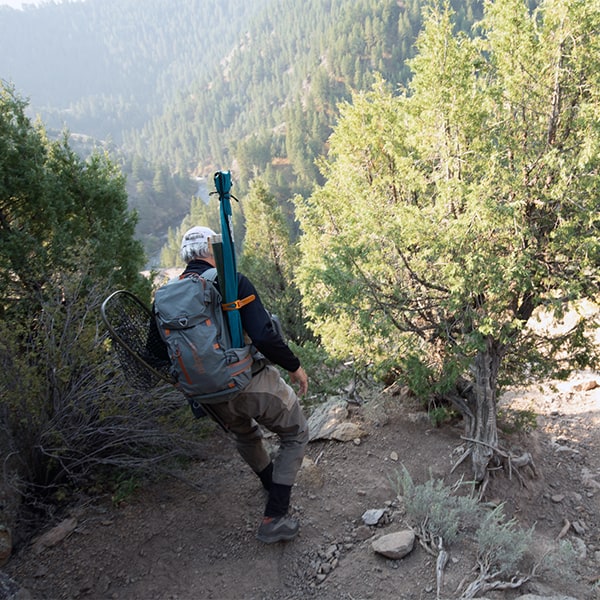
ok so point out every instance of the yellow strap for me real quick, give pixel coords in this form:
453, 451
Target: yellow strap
237, 304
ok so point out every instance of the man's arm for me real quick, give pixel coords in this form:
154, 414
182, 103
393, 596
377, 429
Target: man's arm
258, 325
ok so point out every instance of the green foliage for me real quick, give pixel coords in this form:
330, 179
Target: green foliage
439, 415
175, 95
327, 376
454, 210
439, 518
56, 212
501, 544
560, 561
293, 67
157, 210
66, 239
269, 257
434, 509
124, 488
514, 421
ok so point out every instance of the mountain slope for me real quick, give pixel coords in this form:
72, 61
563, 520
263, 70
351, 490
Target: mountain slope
105, 65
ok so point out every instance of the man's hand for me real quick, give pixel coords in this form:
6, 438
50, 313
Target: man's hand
299, 376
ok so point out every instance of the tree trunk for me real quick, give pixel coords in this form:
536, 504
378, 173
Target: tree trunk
482, 427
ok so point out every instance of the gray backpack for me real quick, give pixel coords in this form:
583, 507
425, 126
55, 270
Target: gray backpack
191, 323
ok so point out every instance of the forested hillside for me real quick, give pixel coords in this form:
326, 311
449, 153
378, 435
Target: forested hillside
271, 106
180, 88
102, 66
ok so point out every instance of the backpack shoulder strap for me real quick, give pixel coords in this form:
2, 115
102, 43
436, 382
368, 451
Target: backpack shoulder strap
210, 274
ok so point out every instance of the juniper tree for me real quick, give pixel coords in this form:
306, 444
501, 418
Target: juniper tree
456, 209
56, 212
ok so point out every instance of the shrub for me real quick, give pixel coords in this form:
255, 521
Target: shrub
435, 510
68, 415
502, 544
438, 515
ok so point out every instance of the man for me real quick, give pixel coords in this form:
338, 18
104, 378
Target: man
267, 400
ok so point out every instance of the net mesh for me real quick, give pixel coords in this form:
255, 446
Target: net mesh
137, 344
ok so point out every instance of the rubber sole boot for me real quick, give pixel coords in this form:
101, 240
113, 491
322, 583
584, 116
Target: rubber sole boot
277, 529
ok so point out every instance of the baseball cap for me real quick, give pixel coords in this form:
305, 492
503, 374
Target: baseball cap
195, 235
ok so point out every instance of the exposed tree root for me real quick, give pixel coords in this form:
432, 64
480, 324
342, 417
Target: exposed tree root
501, 459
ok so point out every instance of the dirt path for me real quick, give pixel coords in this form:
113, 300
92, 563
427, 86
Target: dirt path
195, 539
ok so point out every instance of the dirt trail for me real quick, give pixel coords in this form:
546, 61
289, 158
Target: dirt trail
195, 539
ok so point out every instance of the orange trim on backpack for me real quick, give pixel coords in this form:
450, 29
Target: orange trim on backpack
237, 304
183, 369
242, 365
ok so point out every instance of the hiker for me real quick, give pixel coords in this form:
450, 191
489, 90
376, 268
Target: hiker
266, 400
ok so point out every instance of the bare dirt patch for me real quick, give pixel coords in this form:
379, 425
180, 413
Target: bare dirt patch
194, 537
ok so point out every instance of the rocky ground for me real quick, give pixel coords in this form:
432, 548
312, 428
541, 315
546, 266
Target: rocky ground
193, 536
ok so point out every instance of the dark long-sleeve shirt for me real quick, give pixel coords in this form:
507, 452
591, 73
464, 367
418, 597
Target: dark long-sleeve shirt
256, 322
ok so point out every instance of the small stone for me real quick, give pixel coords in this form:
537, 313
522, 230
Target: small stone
394, 456
580, 548
346, 432
586, 386
373, 516
395, 545
578, 527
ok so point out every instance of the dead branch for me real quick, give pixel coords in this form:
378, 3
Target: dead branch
464, 455
564, 530
440, 565
483, 585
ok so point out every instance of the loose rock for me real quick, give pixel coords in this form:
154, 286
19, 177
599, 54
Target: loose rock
395, 545
54, 535
373, 516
